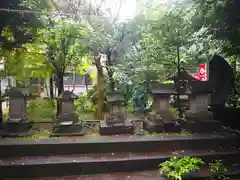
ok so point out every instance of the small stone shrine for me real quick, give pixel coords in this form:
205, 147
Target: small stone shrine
184, 78
198, 117
198, 92
67, 123
116, 121
17, 123
160, 115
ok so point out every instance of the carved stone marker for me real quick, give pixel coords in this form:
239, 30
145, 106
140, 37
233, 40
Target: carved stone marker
17, 120
116, 122
198, 101
221, 78
160, 108
67, 123
199, 118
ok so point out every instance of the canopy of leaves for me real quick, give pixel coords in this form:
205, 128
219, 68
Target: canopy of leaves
21, 26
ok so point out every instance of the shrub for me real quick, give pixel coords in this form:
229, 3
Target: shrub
87, 102
41, 109
177, 167
84, 104
219, 170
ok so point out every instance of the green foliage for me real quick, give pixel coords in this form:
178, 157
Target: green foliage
5, 114
87, 102
219, 170
61, 44
42, 110
177, 167
84, 104
21, 27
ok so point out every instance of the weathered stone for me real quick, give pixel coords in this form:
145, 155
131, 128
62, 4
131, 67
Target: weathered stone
67, 123
116, 121
17, 123
198, 102
160, 107
221, 78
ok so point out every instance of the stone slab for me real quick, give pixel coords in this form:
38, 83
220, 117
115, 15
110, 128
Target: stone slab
10, 126
68, 128
126, 128
16, 135
153, 127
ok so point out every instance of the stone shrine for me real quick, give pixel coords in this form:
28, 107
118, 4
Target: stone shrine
184, 78
67, 124
160, 115
17, 123
116, 121
198, 92
198, 117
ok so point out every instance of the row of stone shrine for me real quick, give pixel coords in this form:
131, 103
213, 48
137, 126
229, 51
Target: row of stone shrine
116, 121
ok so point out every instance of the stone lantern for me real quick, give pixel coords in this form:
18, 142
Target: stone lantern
67, 123
160, 108
17, 123
116, 121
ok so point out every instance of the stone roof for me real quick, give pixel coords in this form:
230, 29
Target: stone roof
67, 95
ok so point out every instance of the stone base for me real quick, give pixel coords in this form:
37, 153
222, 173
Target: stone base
126, 128
68, 129
16, 127
153, 127
199, 116
204, 126
172, 127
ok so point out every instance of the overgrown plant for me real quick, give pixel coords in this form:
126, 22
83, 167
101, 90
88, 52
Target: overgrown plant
43, 110
177, 167
219, 170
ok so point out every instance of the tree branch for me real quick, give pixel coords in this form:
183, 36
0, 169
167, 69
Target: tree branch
118, 12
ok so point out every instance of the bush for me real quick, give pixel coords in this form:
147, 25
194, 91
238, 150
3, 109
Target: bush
41, 110
219, 170
87, 102
177, 167
5, 113
84, 104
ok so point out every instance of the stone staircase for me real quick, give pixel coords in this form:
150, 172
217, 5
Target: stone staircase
131, 156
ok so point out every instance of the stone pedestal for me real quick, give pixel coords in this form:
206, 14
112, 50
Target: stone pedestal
198, 108
116, 122
17, 123
67, 124
153, 123
114, 129
156, 120
199, 118
69, 128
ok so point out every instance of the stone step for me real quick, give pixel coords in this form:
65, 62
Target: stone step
233, 173
83, 164
121, 143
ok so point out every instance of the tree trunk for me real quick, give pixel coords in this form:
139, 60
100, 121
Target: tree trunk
99, 115
180, 113
51, 87
110, 71
60, 87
